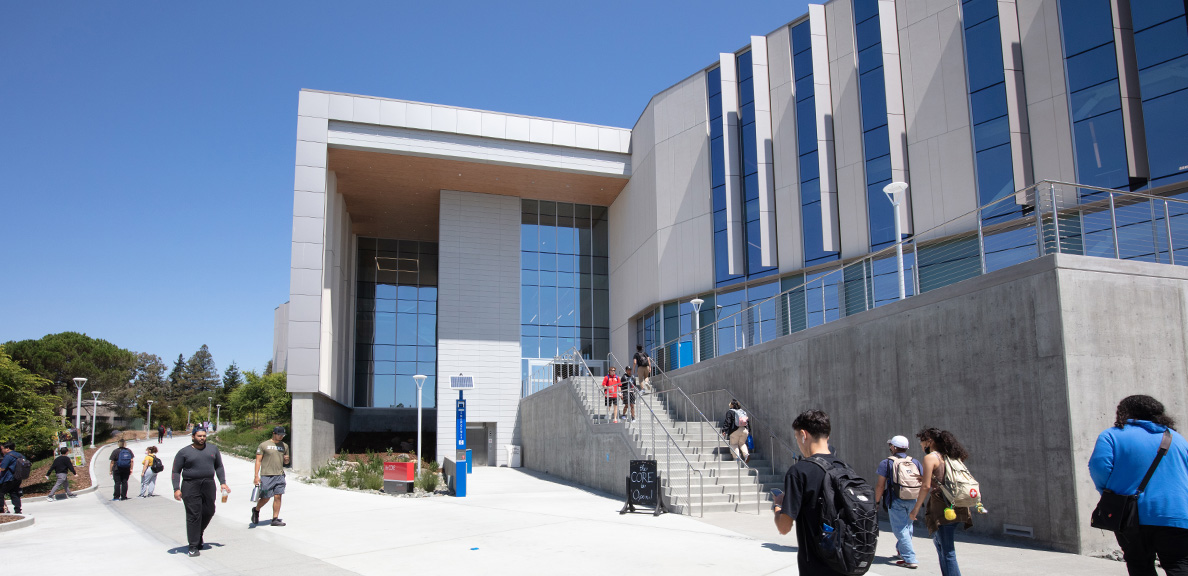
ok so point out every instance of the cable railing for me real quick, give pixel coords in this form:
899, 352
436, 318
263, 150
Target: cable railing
722, 396
1048, 217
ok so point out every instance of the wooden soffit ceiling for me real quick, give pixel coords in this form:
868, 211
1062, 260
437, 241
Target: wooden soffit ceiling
398, 196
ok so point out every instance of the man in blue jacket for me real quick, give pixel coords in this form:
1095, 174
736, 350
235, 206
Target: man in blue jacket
1120, 460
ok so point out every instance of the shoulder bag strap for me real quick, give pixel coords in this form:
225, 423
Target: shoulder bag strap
1163, 447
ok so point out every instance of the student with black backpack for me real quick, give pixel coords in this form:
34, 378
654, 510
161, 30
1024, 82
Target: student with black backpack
121, 469
833, 508
150, 466
14, 468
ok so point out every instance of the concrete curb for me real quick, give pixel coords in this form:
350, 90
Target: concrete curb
94, 479
22, 523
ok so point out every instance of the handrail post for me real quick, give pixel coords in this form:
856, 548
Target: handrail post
916, 263
1154, 230
1114, 225
981, 243
1039, 224
1056, 216
1171, 249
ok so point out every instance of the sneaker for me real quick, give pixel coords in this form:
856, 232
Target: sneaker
907, 564
49, 498
72, 495
255, 515
192, 552
115, 499
277, 522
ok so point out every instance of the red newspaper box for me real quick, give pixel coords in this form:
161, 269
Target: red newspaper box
399, 471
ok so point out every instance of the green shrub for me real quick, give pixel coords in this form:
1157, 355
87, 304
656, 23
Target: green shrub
334, 481
373, 481
326, 471
430, 465
427, 481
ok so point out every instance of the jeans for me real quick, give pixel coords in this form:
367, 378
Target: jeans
148, 483
12, 489
943, 538
63, 482
1169, 544
901, 524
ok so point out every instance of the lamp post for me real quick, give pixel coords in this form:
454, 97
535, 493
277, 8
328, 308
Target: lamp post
894, 192
696, 302
420, 380
79, 383
148, 424
218, 415
94, 414
209, 400
188, 412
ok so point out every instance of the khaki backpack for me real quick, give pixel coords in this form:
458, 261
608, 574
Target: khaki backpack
905, 478
959, 486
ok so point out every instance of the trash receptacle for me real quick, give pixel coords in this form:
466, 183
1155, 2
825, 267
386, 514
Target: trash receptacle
513, 455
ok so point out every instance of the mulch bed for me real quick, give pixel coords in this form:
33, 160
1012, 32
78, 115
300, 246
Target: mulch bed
37, 485
6, 518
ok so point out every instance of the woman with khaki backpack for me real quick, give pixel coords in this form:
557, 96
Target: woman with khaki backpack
942, 451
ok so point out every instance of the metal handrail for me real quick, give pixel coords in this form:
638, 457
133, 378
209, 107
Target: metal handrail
670, 441
755, 418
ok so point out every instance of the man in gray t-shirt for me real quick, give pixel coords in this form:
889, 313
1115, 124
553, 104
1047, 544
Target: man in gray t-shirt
194, 469
271, 457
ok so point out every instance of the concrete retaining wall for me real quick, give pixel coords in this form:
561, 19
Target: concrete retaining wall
319, 423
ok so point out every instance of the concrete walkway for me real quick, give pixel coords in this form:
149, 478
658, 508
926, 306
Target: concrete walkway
512, 522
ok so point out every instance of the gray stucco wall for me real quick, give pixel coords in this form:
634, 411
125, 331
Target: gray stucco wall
559, 439
1024, 365
319, 423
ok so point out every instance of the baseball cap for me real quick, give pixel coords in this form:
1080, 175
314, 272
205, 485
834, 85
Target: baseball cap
898, 442
281, 430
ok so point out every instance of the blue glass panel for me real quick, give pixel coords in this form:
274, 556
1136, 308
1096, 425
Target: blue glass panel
1095, 100
878, 169
719, 220
406, 353
802, 64
995, 176
876, 142
746, 93
385, 291
529, 278
427, 294
750, 210
988, 103
384, 367
721, 265
529, 304
427, 331
993, 133
866, 33
754, 251
804, 87
1161, 43
383, 353
529, 261
715, 106
1166, 120
745, 68
427, 354
1147, 13
751, 186
566, 263
548, 306
801, 39
1086, 24
386, 306
385, 328
713, 81
548, 236
1092, 67
548, 263
717, 163
984, 55
810, 191
715, 130
406, 368
750, 162
528, 236
974, 12
809, 167
1101, 151
406, 329
806, 125
870, 58
1164, 78
882, 215
864, 9
874, 99
383, 393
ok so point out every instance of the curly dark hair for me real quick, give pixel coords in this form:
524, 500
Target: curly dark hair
1142, 407
735, 405
944, 442
815, 422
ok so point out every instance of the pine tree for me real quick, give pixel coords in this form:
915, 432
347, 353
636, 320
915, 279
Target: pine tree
268, 368
176, 389
200, 376
232, 378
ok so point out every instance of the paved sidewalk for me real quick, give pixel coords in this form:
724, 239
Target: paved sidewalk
512, 522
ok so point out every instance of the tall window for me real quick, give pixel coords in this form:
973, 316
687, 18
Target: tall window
565, 297
1161, 47
750, 167
722, 275
395, 322
875, 137
806, 139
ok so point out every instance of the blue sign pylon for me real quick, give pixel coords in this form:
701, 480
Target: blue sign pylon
460, 481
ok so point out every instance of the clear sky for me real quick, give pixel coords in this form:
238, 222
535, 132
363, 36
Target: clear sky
146, 148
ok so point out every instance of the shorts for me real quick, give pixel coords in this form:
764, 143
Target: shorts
628, 397
272, 485
612, 401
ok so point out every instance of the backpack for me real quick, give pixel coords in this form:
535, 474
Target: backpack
124, 459
741, 418
847, 532
157, 464
959, 486
21, 467
905, 478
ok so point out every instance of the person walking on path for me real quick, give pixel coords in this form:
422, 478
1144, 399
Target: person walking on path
160, 433
1121, 458
194, 469
120, 467
271, 457
62, 467
169, 432
148, 473
899, 478
610, 389
9, 485
938, 445
735, 426
643, 368
627, 387
803, 486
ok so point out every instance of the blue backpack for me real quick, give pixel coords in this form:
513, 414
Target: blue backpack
124, 459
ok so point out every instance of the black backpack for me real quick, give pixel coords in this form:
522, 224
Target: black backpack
20, 468
158, 465
847, 532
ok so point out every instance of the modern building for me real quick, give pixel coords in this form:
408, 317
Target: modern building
437, 240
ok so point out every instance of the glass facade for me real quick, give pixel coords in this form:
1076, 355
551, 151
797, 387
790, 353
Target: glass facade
1091, 67
1161, 50
395, 322
876, 143
806, 142
722, 275
564, 286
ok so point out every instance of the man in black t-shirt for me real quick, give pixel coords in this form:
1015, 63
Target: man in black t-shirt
802, 489
643, 367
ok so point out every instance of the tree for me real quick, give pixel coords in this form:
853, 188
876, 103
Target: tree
200, 378
268, 368
149, 383
232, 379
262, 397
27, 418
175, 377
59, 358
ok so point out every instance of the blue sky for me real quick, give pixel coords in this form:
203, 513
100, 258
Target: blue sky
146, 148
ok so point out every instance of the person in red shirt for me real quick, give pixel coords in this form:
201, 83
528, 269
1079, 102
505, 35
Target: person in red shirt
610, 388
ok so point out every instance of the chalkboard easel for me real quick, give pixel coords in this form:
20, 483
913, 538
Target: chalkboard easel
643, 487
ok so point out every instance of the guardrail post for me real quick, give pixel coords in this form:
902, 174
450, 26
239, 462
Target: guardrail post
1171, 249
1039, 224
1114, 226
1055, 216
1154, 230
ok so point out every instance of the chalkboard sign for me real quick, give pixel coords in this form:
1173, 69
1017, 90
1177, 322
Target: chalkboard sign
643, 487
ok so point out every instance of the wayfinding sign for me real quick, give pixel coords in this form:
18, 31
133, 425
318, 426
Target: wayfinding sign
643, 487
461, 422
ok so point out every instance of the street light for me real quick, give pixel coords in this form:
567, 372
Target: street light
218, 415
149, 422
188, 412
208, 412
79, 383
420, 380
696, 302
94, 414
894, 192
